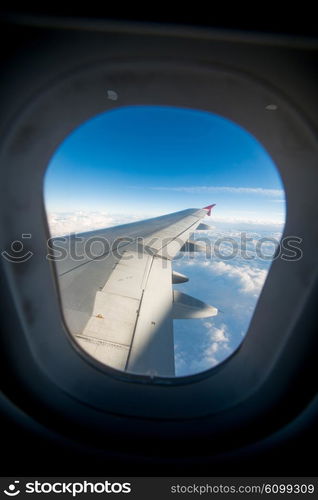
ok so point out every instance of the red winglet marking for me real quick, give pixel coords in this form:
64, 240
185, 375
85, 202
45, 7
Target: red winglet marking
209, 208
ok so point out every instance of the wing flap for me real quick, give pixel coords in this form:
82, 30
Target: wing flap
152, 350
115, 312
110, 354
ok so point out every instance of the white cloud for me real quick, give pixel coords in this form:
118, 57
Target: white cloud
250, 278
199, 365
276, 220
215, 349
61, 223
219, 335
233, 286
203, 348
64, 223
222, 189
218, 338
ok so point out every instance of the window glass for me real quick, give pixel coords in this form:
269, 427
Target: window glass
141, 162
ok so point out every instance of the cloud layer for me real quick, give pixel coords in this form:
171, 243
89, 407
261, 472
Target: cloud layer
233, 286
61, 223
276, 193
248, 280
64, 223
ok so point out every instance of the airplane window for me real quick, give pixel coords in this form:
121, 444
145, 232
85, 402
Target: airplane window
150, 283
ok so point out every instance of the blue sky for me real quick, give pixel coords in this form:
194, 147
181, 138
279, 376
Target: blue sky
162, 159
138, 162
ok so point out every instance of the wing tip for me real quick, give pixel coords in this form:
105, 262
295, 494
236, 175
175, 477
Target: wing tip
209, 208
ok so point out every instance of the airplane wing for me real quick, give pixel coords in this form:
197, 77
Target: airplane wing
116, 290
